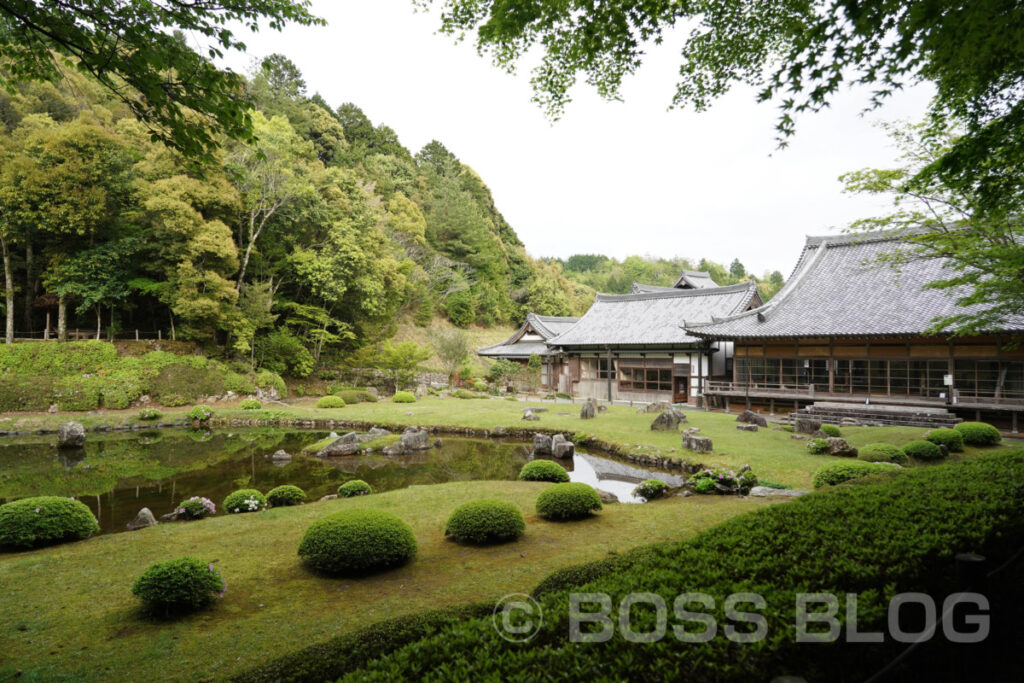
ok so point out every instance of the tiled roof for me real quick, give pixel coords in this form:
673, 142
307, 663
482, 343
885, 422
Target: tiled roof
695, 279
640, 288
547, 326
839, 288
653, 318
514, 350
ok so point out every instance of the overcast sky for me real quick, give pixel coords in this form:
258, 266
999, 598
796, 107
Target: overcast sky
609, 177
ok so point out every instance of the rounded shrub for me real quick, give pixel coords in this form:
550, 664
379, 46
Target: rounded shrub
403, 397
950, 438
331, 402
196, 507
882, 452
704, 485
923, 450
200, 413
245, 500
357, 542
150, 414
831, 430
830, 475
284, 495
979, 433
178, 586
651, 489
488, 520
567, 501
817, 446
543, 470
250, 404
44, 520
356, 487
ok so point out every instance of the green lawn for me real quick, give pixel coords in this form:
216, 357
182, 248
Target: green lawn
67, 612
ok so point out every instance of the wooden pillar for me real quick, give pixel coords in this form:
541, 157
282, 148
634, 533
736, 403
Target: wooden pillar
771, 406
611, 365
1013, 417
46, 330
136, 335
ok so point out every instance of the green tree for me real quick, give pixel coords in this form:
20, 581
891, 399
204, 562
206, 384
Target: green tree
452, 348
737, 270
401, 361
503, 371
180, 94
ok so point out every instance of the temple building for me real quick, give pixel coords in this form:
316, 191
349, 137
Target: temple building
847, 329
531, 339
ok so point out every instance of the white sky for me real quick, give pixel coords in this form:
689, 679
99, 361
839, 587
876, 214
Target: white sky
609, 177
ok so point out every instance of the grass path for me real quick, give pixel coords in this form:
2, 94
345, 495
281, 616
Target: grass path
67, 612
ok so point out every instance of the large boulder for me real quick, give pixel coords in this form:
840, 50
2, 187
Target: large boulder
840, 448
562, 447
142, 520
589, 410
750, 417
805, 424
416, 439
339, 447
70, 435
541, 444
669, 420
697, 444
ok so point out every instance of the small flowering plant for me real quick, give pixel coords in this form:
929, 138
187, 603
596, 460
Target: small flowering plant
245, 500
200, 413
150, 414
714, 479
196, 507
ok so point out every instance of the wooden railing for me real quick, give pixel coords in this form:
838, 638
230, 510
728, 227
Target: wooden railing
816, 392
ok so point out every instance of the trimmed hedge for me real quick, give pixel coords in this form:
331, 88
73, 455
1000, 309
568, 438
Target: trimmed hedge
562, 502
331, 402
543, 470
356, 487
651, 489
882, 452
403, 397
950, 438
250, 404
178, 586
484, 521
830, 475
831, 430
923, 450
979, 433
45, 520
244, 500
467, 394
357, 542
875, 539
285, 495
353, 396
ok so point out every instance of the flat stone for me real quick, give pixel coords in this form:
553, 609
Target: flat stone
142, 520
747, 428
339, 447
697, 444
750, 417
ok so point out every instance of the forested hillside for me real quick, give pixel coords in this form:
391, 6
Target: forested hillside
610, 275
315, 239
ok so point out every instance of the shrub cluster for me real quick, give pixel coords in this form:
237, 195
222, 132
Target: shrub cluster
201, 413
882, 452
45, 520
831, 430
357, 542
467, 394
840, 472
403, 397
567, 501
706, 479
353, 396
877, 540
950, 438
817, 446
178, 586
488, 520
331, 402
284, 495
925, 451
356, 487
543, 470
245, 500
250, 404
196, 507
979, 433
651, 489
150, 414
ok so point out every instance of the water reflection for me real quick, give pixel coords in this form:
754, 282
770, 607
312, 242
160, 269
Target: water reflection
615, 477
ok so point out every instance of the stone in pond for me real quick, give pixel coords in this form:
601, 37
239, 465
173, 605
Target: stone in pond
562, 447
415, 439
70, 435
541, 444
338, 447
142, 520
281, 456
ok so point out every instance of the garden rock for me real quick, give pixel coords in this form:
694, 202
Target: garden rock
415, 439
267, 394
142, 520
70, 435
562, 447
499, 431
747, 428
806, 425
541, 444
602, 409
765, 491
697, 444
750, 417
589, 410
339, 447
607, 497
669, 420
329, 496
169, 517
658, 407
281, 456
536, 410
529, 416
840, 448
798, 437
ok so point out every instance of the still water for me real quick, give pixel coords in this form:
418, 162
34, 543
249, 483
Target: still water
117, 474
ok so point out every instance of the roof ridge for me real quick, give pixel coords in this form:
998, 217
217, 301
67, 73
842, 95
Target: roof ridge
677, 293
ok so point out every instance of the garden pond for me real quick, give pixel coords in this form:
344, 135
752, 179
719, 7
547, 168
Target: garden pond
118, 473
